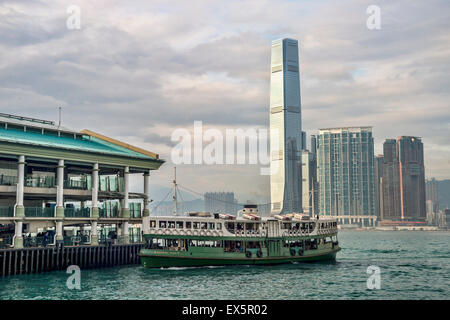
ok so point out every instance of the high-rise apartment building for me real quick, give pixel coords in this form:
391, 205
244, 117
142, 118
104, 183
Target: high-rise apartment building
220, 202
379, 186
285, 120
345, 166
310, 188
432, 194
404, 179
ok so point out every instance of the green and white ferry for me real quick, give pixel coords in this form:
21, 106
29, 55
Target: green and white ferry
202, 239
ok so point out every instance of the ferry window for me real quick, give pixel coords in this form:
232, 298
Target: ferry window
249, 226
209, 243
188, 224
203, 225
239, 226
211, 226
152, 223
179, 224
192, 243
230, 226
200, 243
170, 224
195, 225
162, 224
219, 226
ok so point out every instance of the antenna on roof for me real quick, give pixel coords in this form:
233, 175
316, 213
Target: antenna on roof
59, 123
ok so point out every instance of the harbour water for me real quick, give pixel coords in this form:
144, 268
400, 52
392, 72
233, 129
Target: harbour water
413, 265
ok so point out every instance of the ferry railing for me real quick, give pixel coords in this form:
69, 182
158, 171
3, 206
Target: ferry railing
8, 180
39, 212
77, 212
6, 211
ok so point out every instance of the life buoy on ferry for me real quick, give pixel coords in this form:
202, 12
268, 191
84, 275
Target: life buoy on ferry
248, 254
259, 254
167, 232
195, 232
160, 231
202, 232
188, 232
208, 233
215, 233
220, 233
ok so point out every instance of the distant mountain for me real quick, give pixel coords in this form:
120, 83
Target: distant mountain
444, 193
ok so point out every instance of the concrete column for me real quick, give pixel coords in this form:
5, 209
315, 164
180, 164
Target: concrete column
125, 233
125, 207
19, 208
146, 211
60, 190
94, 234
59, 231
94, 212
18, 238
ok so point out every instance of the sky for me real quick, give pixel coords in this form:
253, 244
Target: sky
138, 70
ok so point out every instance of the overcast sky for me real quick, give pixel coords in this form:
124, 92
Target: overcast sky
136, 70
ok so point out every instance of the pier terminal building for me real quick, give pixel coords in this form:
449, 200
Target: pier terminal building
63, 187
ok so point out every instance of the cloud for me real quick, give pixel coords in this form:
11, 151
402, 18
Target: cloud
136, 71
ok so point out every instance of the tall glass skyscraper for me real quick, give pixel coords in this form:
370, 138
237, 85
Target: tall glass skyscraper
346, 174
285, 120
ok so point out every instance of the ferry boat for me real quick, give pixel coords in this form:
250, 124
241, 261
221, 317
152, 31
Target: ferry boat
202, 239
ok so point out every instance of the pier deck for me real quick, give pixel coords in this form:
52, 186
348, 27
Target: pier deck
37, 260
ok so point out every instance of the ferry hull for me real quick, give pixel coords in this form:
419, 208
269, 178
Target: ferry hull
166, 261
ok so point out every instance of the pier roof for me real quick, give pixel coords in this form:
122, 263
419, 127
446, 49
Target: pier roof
33, 134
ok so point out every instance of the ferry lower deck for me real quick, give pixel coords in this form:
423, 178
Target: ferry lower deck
167, 251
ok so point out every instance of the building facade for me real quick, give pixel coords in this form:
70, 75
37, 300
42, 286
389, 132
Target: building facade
379, 186
68, 185
404, 180
220, 202
310, 188
345, 166
432, 194
286, 141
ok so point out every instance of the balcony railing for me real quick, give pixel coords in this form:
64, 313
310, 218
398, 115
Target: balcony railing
6, 241
135, 213
108, 212
6, 211
76, 184
40, 182
39, 212
76, 240
77, 212
8, 180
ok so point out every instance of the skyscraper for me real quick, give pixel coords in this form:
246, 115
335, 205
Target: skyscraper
309, 183
379, 186
223, 202
404, 179
432, 194
285, 120
346, 174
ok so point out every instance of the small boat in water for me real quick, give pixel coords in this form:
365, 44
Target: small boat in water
205, 240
